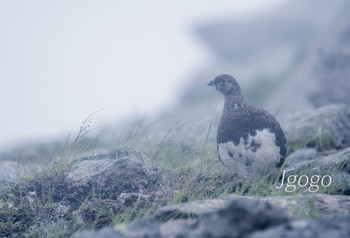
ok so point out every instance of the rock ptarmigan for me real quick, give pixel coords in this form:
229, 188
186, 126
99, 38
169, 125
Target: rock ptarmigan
250, 141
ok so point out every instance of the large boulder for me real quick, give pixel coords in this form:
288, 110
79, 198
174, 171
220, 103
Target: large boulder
238, 219
306, 228
121, 171
309, 205
325, 128
113, 182
144, 228
335, 167
242, 216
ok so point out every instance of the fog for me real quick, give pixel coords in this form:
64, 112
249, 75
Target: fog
63, 60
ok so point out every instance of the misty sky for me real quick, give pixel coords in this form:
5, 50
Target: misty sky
62, 60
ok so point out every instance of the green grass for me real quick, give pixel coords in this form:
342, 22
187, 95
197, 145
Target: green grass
40, 205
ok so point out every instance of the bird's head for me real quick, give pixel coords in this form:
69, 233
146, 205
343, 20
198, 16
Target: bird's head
226, 85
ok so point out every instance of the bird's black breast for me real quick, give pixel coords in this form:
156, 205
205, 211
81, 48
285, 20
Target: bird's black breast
244, 124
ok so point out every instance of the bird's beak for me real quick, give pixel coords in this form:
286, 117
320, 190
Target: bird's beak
211, 83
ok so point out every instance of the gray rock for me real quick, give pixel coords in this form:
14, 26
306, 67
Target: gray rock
241, 216
113, 182
172, 228
331, 164
238, 219
320, 205
176, 218
144, 228
305, 154
113, 174
188, 210
325, 128
100, 171
306, 228
103, 233
308, 205
213, 217
337, 166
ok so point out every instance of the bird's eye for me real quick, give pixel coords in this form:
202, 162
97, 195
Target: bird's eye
219, 82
